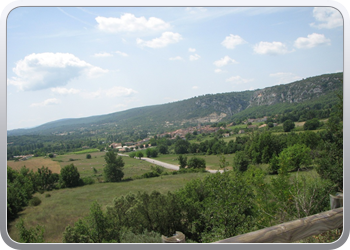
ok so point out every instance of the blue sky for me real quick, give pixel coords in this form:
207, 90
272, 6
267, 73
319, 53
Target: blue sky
81, 61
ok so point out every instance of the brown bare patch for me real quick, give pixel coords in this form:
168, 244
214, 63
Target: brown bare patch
35, 163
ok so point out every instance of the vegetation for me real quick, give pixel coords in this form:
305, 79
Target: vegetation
275, 174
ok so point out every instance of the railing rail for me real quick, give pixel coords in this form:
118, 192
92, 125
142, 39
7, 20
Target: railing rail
294, 230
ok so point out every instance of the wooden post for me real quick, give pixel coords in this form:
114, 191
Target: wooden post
177, 238
336, 200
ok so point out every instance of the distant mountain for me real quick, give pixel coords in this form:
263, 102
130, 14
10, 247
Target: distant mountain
202, 109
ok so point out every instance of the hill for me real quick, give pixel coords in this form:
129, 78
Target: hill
202, 109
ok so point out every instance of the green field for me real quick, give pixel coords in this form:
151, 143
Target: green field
66, 206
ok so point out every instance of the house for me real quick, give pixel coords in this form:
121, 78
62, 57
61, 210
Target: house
241, 131
115, 145
226, 135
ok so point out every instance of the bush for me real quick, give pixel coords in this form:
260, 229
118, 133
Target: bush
312, 124
196, 162
70, 176
88, 156
87, 181
288, 125
31, 235
241, 161
35, 201
47, 195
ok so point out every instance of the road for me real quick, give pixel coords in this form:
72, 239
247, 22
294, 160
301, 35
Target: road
167, 165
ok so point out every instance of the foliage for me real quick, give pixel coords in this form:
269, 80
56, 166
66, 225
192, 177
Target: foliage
330, 164
288, 125
69, 176
19, 191
113, 171
196, 163
151, 152
88, 156
312, 124
30, 235
181, 146
241, 161
35, 201
139, 154
294, 157
182, 161
46, 179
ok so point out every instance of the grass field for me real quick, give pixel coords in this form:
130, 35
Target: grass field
66, 206
35, 163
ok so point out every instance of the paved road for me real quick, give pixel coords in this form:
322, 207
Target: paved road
167, 165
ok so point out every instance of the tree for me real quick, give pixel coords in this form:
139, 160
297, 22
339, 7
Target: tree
31, 235
196, 162
46, 179
113, 171
293, 157
70, 176
181, 146
241, 161
312, 124
288, 125
88, 156
139, 154
182, 161
330, 163
163, 149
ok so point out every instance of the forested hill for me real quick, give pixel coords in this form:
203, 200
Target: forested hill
201, 109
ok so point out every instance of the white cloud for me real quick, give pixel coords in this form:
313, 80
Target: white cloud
116, 91
48, 70
165, 39
285, 77
121, 53
194, 57
176, 58
192, 50
224, 61
327, 18
311, 41
238, 80
195, 10
52, 101
65, 91
274, 48
119, 91
129, 23
232, 41
104, 54
218, 71
195, 87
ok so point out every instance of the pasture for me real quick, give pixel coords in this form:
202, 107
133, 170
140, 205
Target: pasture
35, 163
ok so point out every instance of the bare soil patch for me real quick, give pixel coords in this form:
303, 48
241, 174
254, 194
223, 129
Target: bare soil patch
35, 163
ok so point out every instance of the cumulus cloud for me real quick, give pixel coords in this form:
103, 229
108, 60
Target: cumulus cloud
194, 57
65, 91
160, 42
129, 23
192, 50
285, 77
327, 18
311, 41
176, 58
274, 48
52, 101
48, 70
238, 80
224, 61
232, 41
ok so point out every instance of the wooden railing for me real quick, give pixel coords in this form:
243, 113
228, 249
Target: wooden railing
288, 232
294, 230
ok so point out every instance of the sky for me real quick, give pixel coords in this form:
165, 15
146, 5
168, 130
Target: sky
72, 62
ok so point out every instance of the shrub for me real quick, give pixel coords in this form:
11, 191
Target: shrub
88, 156
70, 176
31, 235
241, 161
312, 124
47, 195
288, 125
196, 162
35, 201
87, 181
